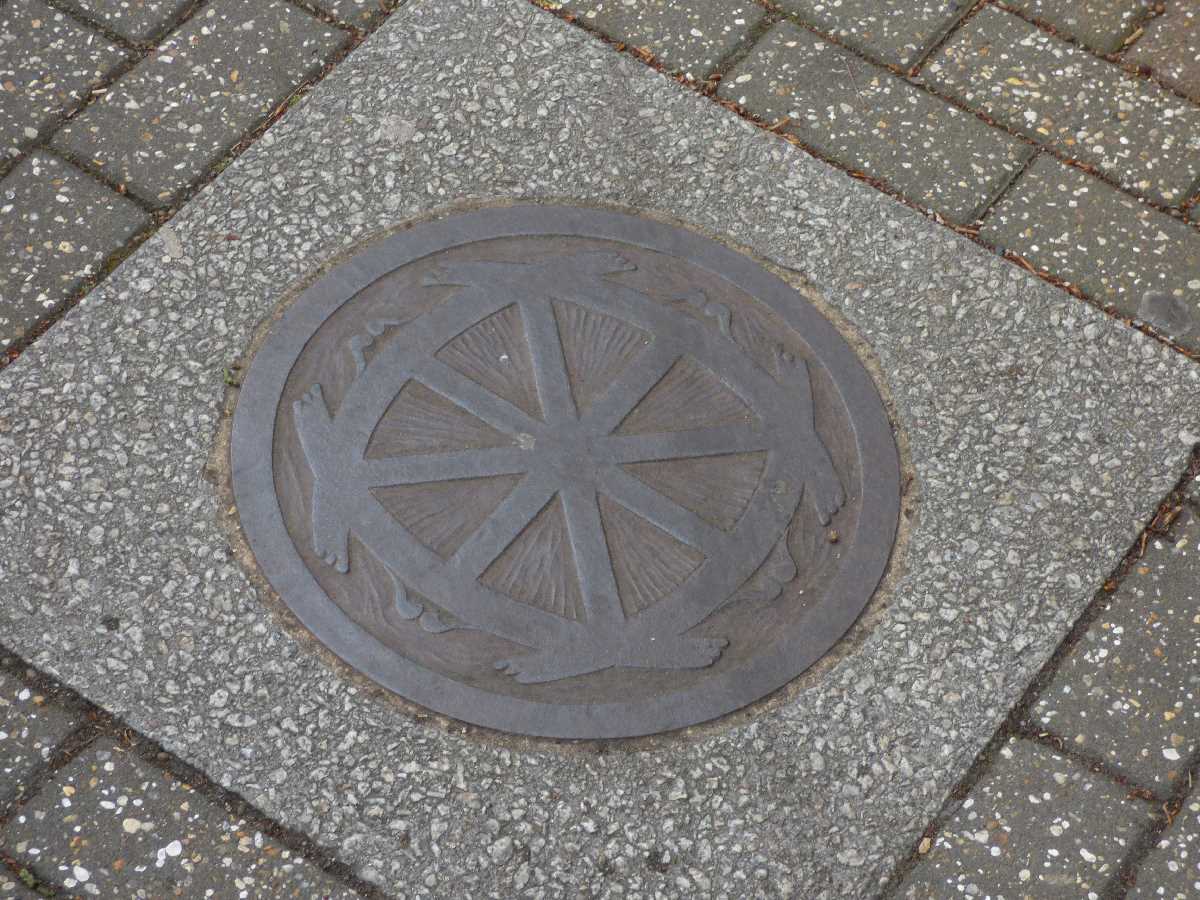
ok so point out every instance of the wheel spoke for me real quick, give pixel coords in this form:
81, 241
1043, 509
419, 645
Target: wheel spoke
630, 448
683, 524
428, 467
592, 557
503, 526
625, 393
549, 367
475, 398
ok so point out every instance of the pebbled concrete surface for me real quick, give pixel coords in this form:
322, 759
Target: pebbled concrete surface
1144, 137
1171, 48
361, 13
178, 112
136, 20
1102, 25
1129, 691
1037, 825
59, 224
895, 32
1120, 251
688, 38
1172, 870
866, 118
31, 727
48, 64
111, 419
109, 824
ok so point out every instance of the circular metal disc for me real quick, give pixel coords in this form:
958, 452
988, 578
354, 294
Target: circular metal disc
565, 472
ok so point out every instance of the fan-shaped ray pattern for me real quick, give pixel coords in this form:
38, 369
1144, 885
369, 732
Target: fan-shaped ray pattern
420, 420
494, 353
443, 514
688, 396
648, 563
538, 568
596, 349
716, 488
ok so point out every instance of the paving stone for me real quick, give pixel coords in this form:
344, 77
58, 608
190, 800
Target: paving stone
137, 20
864, 117
56, 225
1058, 94
1117, 249
1102, 25
179, 111
353, 12
1129, 691
48, 63
1171, 48
1036, 825
1024, 496
689, 37
31, 727
111, 825
10, 887
897, 32
1172, 869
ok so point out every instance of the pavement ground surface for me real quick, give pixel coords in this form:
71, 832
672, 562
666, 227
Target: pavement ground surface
996, 199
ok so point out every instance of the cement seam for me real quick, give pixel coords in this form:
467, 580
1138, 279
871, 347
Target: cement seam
1013, 725
103, 724
970, 231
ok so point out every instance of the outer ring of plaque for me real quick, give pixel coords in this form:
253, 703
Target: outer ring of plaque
251, 451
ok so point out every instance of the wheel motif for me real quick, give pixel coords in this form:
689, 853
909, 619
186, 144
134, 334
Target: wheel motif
561, 469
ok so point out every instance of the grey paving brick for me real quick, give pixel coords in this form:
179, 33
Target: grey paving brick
689, 37
112, 825
353, 12
178, 112
1171, 47
1056, 93
898, 32
866, 118
31, 727
1102, 25
1117, 249
56, 225
1172, 870
1036, 825
48, 63
11, 888
137, 20
1129, 691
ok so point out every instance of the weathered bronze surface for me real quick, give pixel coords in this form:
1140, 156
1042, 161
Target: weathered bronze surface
565, 472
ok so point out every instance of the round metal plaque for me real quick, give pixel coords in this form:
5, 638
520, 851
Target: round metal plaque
565, 472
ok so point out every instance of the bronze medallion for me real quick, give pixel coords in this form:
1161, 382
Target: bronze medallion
565, 472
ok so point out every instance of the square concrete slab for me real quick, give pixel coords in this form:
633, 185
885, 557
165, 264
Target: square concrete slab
1171, 48
179, 111
137, 20
111, 825
32, 726
1102, 25
1142, 136
48, 63
113, 416
1127, 692
61, 225
1037, 825
896, 32
1172, 870
1117, 249
689, 38
868, 119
